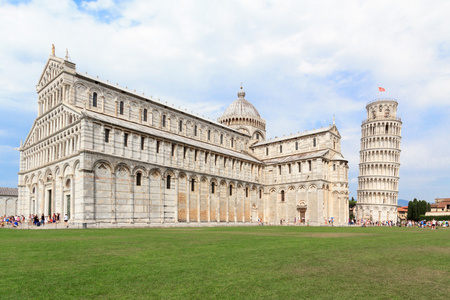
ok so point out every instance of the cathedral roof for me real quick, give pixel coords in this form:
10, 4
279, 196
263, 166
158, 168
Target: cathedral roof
297, 135
241, 108
6, 191
338, 156
296, 157
168, 135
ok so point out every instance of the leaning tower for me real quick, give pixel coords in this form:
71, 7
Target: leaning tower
379, 162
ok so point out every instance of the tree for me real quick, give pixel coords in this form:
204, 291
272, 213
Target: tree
428, 207
410, 214
352, 203
417, 208
423, 208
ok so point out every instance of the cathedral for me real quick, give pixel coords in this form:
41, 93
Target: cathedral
107, 156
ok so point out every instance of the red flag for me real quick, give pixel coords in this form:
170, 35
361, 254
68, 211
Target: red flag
380, 89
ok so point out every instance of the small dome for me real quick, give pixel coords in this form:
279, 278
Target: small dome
241, 107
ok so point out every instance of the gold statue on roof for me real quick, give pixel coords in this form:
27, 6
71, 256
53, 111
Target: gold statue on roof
53, 49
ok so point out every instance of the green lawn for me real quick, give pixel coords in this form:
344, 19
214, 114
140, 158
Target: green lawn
232, 263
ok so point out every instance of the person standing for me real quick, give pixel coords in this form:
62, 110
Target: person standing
66, 220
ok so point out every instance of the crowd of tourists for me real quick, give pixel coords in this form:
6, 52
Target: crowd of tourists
428, 224
420, 224
12, 221
33, 220
368, 223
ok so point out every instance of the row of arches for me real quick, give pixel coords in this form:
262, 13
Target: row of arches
365, 183
52, 123
380, 142
249, 121
367, 169
65, 144
377, 197
380, 155
52, 96
53, 69
51, 191
377, 128
139, 194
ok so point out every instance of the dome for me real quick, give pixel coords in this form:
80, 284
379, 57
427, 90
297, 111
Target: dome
241, 107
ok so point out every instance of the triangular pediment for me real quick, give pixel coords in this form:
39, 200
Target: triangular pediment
31, 137
53, 68
335, 130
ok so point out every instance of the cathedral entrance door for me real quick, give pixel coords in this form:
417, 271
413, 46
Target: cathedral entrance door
301, 211
302, 215
68, 206
49, 202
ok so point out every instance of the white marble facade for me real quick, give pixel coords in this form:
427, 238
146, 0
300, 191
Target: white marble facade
106, 155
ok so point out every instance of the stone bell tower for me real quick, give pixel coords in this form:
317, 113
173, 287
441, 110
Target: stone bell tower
379, 162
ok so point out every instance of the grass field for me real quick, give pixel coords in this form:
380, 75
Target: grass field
232, 263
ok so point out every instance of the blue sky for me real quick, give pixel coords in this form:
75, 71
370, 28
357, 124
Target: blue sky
301, 62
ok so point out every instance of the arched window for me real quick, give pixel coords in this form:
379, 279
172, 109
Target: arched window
145, 115
299, 167
121, 108
94, 99
209, 135
164, 121
296, 145
334, 167
213, 187
314, 142
138, 179
195, 130
267, 151
310, 165
246, 192
232, 142
281, 148
180, 126
260, 194
282, 196
257, 136
231, 190
221, 139
387, 128
168, 182
192, 185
